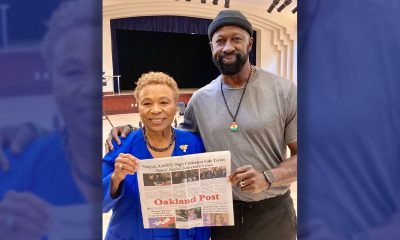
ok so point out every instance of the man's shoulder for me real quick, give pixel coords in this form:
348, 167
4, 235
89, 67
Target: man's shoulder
207, 91
273, 79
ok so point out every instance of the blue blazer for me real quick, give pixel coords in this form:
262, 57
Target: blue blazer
126, 220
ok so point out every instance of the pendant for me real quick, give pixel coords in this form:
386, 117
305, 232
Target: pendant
234, 127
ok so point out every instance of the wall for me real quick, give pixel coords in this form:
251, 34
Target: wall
276, 39
126, 103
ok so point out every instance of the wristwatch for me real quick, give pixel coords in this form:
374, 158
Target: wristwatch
269, 177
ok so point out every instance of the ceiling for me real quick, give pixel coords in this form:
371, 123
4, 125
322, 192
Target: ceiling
264, 4
237, 4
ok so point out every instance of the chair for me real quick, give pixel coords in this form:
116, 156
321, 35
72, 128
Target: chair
181, 108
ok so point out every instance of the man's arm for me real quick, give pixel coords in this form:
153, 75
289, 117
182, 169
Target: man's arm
189, 119
250, 180
286, 172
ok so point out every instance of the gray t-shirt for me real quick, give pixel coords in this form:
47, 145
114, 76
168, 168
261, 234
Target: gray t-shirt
267, 121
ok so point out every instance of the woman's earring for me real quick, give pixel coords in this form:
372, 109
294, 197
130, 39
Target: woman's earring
140, 124
175, 123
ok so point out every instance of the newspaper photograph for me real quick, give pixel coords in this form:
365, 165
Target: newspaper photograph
186, 191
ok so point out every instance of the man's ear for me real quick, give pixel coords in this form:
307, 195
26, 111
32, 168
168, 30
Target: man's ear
211, 46
251, 40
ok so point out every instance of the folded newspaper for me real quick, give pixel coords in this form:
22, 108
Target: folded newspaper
186, 191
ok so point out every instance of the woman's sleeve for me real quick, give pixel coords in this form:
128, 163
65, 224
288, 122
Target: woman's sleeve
108, 169
203, 233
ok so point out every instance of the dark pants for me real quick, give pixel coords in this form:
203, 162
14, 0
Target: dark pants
269, 219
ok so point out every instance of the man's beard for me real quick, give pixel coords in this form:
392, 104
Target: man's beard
232, 68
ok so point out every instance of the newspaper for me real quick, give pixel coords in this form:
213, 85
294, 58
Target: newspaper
186, 191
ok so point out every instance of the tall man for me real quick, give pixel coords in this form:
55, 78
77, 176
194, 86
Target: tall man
253, 114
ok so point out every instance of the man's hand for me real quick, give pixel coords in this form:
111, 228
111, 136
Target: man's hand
16, 138
248, 179
122, 131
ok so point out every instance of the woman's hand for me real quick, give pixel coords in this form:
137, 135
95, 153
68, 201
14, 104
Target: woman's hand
125, 164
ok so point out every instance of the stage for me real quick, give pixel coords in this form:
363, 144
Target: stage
125, 101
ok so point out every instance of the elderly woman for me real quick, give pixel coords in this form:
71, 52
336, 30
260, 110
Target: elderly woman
156, 94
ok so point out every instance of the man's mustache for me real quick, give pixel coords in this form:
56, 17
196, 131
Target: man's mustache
220, 57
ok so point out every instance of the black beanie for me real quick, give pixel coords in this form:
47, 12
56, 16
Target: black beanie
229, 18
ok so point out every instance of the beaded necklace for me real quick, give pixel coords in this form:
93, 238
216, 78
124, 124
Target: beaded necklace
156, 148
234, 127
